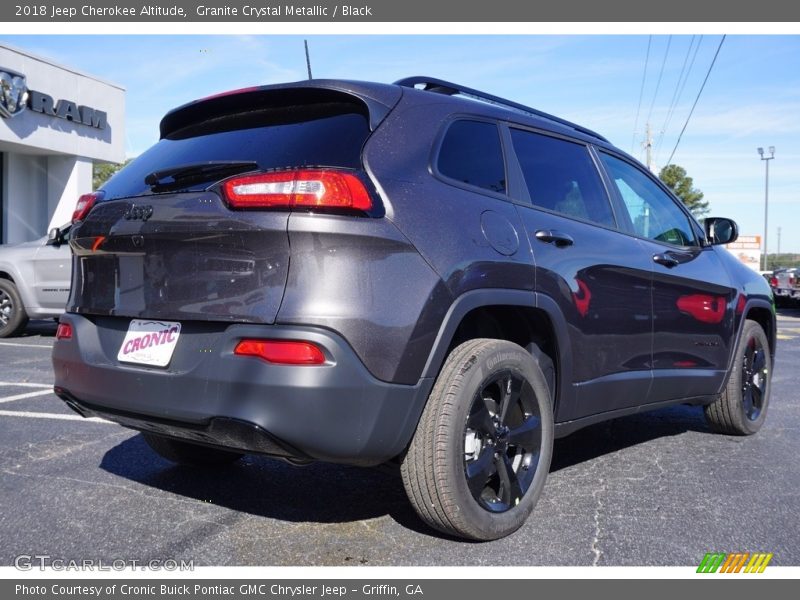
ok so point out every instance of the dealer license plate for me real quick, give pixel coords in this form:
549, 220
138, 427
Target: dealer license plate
149, 342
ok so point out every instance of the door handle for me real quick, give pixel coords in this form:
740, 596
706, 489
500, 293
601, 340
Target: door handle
555, 237
667, 259
672, 258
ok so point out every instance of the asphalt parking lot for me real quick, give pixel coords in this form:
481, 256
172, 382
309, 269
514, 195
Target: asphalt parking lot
650, 489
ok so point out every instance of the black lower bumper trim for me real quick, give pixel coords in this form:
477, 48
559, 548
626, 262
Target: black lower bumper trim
222, 432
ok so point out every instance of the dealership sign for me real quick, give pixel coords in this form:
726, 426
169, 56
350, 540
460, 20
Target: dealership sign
15, 97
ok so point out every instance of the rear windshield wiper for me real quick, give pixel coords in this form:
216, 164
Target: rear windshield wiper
183, 175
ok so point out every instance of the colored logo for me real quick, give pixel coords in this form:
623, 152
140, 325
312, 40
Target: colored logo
13, 93
737, 562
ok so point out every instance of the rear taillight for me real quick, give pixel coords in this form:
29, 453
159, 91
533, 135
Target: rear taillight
64, 331
281, 352
308, 188
773, 281
84, 205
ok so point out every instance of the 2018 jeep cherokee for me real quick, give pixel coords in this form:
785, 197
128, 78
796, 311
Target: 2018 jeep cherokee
358, 272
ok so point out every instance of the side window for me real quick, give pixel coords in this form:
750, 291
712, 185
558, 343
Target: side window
562, 177
471, 153
653, 212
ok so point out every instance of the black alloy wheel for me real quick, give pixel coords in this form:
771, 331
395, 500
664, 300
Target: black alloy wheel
502, 441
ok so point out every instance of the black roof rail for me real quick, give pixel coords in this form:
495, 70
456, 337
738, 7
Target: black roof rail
448, 88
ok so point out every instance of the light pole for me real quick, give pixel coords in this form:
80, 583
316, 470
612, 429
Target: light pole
766, 197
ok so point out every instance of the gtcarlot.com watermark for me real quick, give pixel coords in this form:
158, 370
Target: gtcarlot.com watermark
29, 562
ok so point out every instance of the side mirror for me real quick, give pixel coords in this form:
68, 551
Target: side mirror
720, 230
54, 237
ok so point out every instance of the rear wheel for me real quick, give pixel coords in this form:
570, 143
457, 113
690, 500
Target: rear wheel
187, 453
479, 458
13, 318
742, 406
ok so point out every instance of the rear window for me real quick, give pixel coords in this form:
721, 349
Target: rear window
327, 135
471, 154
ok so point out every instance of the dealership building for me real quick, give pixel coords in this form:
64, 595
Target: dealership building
55, 122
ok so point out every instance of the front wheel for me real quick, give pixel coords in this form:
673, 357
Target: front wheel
13, 318
480, 456
742, 407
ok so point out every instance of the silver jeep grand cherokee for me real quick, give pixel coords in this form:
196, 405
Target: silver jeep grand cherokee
34, 280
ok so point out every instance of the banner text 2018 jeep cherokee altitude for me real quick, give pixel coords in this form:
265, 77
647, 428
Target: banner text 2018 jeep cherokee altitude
358, 272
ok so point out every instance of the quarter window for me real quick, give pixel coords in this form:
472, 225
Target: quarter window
654, 214
562, 177
471, 153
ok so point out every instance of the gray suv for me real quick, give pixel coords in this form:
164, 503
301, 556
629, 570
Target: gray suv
419, 272
34, 281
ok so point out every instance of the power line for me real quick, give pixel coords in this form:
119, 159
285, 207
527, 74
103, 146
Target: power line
680, 95
660, 75
641, 93
673, 102
716, 54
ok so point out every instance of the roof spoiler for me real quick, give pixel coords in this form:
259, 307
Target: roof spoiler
377, 99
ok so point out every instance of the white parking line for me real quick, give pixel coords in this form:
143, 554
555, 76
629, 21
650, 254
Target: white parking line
33, 385
26, 395
38, 415
25, 345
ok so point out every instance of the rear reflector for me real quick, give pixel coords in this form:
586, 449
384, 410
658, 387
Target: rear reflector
84, 205
323, 188
64, 331
281, 352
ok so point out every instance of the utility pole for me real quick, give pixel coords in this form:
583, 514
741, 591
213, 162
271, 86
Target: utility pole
779, 240
766, 159
648, 146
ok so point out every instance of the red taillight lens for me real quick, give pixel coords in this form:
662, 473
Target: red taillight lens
64, 331
84, 205
281, 352
773, 281
324, 188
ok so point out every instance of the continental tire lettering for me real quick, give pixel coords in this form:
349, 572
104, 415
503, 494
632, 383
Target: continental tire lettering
505, 356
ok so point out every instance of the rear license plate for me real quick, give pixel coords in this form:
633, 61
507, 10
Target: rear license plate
149, 342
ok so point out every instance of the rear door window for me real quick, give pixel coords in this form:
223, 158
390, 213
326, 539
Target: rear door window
471, 153
561, 176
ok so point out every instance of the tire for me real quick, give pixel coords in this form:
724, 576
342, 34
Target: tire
742, 407
473, 469
187, 453
13, 318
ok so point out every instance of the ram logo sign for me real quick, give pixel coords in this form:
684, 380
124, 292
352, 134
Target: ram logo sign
16, 97
13, 93
737, 562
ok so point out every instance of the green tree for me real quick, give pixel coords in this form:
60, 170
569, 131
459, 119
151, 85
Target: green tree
675, 178
102, 172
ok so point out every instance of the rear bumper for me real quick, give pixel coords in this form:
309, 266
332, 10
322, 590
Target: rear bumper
336, 412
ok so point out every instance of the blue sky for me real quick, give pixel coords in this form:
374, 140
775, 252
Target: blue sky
752, 97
